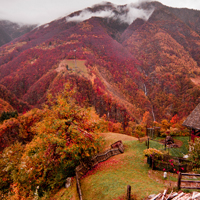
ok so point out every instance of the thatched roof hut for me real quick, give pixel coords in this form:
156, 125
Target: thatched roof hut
193, 120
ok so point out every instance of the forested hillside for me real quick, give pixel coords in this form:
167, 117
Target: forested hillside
63, 82
122, 69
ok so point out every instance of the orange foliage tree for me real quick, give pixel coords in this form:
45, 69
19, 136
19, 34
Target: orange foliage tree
62, 139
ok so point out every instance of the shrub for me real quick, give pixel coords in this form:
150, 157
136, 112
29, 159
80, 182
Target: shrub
194, 153
140, 131
150, 151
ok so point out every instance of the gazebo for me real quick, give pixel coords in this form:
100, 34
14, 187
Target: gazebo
193, 122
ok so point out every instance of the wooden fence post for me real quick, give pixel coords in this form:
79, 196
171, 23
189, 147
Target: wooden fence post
179, 181
78, 187
128, 192
152, 165
148, 143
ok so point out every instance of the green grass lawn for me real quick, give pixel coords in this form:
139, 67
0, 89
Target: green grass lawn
178, 152
109, 179
183, 150
78, 66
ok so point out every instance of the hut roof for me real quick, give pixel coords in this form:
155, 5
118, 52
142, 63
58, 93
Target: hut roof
193, 120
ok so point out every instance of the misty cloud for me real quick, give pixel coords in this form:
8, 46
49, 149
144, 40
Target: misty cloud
86, 14
44, 11
134, 13
125, 14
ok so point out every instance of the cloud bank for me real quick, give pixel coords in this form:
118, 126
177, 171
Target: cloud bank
126, 14
44, 11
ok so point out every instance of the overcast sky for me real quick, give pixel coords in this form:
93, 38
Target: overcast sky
44, 11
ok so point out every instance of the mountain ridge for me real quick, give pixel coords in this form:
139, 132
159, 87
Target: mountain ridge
147, 63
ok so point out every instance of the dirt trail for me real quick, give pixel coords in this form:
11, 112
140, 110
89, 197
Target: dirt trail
117, 136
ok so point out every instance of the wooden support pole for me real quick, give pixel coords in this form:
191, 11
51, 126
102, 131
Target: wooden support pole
128, 192
179, 181
148, 143
78, 187
152, 165
146, 131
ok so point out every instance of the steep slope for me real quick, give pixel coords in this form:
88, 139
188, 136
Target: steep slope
168, 49
122, 70
189, 16
33, 66
183, 34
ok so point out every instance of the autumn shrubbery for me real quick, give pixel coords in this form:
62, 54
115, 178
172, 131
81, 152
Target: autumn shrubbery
194, 154
173, 127
166, 127
151, 151
62, 138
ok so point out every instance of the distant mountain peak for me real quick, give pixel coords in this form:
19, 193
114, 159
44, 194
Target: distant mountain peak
10, 30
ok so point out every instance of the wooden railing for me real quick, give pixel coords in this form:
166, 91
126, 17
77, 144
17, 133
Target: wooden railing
83, 168
177, 164
196, 182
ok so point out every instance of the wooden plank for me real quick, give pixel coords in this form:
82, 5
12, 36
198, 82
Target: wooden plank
180, 195
189, 181
185, 197
186, 174
158, 195
196, 195
164, 193
185, 187
173, 195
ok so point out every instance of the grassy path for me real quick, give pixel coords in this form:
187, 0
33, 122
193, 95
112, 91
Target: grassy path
109, 179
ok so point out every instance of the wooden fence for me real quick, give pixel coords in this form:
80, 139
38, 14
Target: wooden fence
187, 183
169, 163
83, 168
153, 132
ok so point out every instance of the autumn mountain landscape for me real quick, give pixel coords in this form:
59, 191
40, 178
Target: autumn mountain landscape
128, 71
136, 67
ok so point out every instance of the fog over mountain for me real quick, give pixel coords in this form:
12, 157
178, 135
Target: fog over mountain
126, 14
124, 68
44, 11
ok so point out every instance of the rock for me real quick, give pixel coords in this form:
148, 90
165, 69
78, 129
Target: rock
68, 182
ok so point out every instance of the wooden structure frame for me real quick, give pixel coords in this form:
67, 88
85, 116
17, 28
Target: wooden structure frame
193, 122
187, 181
